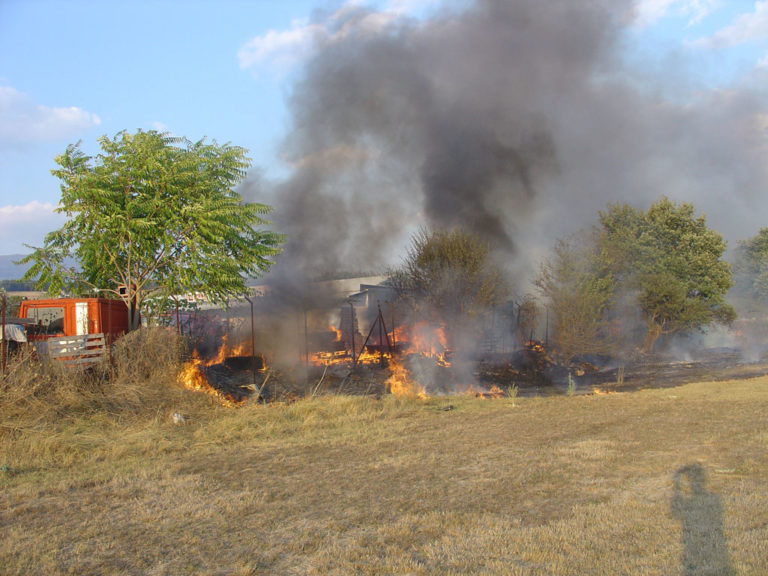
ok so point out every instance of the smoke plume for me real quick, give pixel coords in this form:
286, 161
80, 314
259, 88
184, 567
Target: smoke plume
514, 119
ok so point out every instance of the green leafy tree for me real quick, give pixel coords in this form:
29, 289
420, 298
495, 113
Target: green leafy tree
448, 277
751, 266
578, 290
671, 263
154, 214
450, 272
750, 291
526, 318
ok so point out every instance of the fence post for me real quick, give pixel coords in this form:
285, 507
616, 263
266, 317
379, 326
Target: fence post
5, 339
253, 341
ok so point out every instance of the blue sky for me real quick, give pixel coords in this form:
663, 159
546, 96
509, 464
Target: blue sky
75, 70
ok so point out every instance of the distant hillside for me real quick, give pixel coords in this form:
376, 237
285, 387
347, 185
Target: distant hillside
9, 270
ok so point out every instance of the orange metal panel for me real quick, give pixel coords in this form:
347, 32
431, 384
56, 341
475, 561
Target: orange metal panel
104, 315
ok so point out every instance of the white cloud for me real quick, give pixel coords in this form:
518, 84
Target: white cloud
409, 6
23, 121
281, 50
747, 27
26, 211
648, 12
27, 224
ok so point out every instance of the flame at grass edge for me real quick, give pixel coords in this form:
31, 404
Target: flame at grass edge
400, 383
192, 377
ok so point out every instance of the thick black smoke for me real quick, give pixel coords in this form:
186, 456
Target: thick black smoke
514, 119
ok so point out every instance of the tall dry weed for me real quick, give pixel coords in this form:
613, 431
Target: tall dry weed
138, 378
146, 363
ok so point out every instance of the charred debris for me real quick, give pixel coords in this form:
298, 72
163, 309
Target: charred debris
367, 342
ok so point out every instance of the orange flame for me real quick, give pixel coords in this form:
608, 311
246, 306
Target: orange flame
222, 354
428, 340
193, 378
239, 350
424, 338
329, 358
496, 392
345, 357
226, 351
368, 357
400, 383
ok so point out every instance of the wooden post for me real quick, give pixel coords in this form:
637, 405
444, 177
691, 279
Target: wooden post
109, 339
253, 342
306, 346
381, 338
5, 336
394, 337
352, 329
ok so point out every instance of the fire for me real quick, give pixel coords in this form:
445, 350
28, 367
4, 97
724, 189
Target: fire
345, 357
400, 383
193, 377
424, 338
329, 358
221, 355
494, 392
225, 351
368, 357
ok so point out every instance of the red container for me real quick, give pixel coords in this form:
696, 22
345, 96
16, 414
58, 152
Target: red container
75, 317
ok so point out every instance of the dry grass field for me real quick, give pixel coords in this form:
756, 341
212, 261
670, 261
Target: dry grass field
664, 481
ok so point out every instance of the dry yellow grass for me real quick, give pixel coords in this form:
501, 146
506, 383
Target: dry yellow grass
654, 482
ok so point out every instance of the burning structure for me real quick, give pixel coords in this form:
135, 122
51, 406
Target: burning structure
325, 341
230, 376
363, 341
514, 120
343, 349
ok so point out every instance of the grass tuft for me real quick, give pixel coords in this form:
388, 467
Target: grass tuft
45, 406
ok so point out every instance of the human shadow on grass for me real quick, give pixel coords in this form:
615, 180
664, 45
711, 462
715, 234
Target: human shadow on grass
705, 549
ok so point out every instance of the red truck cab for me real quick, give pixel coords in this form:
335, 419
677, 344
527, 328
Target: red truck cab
74, 317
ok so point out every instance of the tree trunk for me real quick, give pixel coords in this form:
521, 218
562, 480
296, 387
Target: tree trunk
134, 318
133, 304
135, 310
651, 336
